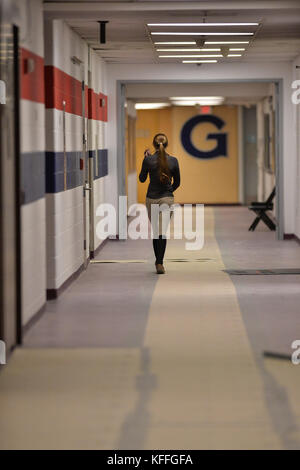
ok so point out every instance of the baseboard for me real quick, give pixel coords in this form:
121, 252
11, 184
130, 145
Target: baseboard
34, 319
291, 236
9, 353
115, 238
94, 253
55, 293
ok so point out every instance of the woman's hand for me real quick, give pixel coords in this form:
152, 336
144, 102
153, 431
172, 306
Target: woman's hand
147, 153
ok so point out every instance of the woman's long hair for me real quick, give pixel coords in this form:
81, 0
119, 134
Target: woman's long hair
160, 142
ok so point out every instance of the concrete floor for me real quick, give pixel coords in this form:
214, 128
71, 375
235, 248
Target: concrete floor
126, 359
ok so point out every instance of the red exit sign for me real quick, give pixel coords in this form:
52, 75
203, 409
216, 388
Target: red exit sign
205, 109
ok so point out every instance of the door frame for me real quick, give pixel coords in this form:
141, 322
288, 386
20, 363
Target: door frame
16, 181
279, 206
18, 196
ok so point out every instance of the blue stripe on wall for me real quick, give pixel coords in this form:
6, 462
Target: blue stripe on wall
55, 171
44, 172
32, 176
101, 164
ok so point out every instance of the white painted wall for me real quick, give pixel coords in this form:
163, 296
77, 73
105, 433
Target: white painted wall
97, 138
64, 210
237, 90
64, 235
32, 131
239, 71
31, 34
33, 217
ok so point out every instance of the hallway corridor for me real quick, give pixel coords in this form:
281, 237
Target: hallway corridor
126, 359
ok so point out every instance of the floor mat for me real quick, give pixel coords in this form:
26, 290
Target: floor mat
261, 272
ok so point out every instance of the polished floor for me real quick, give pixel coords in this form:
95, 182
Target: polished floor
126, 359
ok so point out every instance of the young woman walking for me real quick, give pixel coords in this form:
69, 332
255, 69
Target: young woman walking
164, 180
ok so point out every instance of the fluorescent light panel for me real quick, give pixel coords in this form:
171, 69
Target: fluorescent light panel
226, 42
196, 98
188, 43
217, 49
180, 43
199, 61
199, 34
199, 102
151, 105
203, 24
188, 55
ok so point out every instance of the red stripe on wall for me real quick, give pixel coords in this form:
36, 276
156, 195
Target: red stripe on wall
62, 87
97, 105
32, 76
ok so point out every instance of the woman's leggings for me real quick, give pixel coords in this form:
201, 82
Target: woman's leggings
159, 244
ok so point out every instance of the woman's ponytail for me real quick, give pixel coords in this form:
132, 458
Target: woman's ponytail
160, 143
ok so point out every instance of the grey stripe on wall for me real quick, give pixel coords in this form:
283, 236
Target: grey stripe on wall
55, 171
100, 157
44, 172
32, 176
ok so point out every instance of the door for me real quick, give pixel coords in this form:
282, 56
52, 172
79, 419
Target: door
85, 182
10, 295
278, 149
250, 154
298, 154
93, 170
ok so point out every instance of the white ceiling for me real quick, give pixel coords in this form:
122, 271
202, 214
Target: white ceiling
129, 40
234, 93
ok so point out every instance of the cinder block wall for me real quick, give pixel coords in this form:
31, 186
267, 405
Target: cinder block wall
68, 63
97, 145
52, 127
32, 110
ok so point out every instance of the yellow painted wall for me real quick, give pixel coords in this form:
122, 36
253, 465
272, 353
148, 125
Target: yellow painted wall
126, 152
149, 123
202, 181
130, 148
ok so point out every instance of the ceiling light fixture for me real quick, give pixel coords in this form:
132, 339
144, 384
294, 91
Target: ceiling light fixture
237, 49
213, 101
234, 55
202, 24
188, 55
226, 42
199, 61
151, 105
196, 98
193, 50
174, 33
180, 43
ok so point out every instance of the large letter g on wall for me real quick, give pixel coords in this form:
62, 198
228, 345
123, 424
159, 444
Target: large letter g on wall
221, 148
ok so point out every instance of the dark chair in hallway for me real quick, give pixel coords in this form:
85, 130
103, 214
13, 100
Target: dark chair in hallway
260, 209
